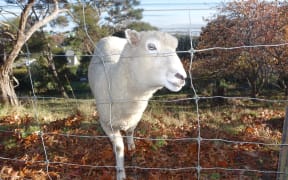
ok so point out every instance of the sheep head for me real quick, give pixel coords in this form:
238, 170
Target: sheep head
154, 60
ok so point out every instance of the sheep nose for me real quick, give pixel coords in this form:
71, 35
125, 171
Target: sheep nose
179, 76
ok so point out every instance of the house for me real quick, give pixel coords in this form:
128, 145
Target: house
71, 58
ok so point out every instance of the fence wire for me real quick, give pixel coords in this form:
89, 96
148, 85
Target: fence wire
199, 139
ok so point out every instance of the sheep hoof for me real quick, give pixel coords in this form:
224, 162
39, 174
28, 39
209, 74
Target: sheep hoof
131, 147
121, 175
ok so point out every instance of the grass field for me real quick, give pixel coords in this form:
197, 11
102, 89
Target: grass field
78, 157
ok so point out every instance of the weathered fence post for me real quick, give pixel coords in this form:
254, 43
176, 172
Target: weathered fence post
283, 155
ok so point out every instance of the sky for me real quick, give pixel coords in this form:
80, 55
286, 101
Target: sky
168, 15
180, 15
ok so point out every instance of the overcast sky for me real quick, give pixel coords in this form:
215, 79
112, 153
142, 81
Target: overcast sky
178, 15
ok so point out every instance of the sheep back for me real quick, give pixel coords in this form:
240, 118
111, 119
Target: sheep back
108, 49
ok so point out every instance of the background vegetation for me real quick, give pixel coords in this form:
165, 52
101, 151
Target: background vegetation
253, 72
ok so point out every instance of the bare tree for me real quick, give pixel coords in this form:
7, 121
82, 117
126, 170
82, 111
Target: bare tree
26, 27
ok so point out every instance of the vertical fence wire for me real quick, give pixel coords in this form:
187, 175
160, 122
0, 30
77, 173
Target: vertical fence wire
198, 167
34, 100
35, 109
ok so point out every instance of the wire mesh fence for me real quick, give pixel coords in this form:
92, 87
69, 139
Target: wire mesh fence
194, 147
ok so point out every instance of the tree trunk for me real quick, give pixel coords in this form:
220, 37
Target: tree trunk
219, 91
50, 60
285, 88
56, 77
254, 91
8, 95
253, 87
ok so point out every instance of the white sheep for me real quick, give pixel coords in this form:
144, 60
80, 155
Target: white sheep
124, 74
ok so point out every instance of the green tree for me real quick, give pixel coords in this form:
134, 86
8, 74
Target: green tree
82, 71
60, 59
141, 26
123, 13
88, 29
138, 26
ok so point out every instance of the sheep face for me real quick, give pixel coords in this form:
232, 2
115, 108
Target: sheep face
158, 65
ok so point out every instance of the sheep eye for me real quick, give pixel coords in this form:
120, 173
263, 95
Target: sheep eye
151, 47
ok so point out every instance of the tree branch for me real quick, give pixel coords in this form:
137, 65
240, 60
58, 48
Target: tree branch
44, 21
23, 36
24, 17
10, 35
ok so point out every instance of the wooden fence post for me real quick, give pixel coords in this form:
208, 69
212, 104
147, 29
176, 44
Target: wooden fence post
283, 155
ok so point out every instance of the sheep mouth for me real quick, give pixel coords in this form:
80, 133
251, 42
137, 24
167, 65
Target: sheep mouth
177, 85
174, 82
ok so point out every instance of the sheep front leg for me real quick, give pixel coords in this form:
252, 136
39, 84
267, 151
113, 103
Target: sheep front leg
118, 147
130, 138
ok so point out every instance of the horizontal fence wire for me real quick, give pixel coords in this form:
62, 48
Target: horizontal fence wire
165, 54
156, 99
153, 168
183, 139
157, 139
197, 99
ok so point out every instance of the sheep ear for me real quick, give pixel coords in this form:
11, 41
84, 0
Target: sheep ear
132, 36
